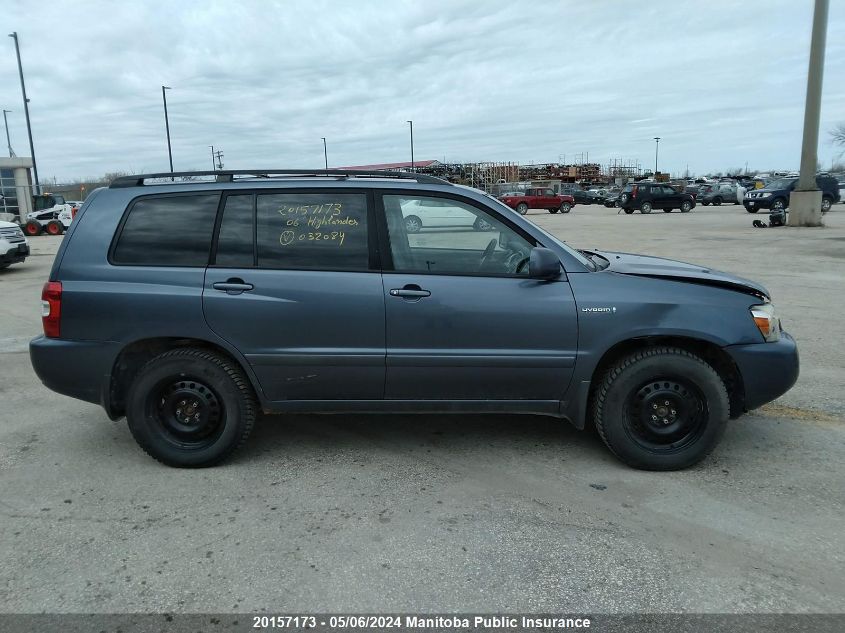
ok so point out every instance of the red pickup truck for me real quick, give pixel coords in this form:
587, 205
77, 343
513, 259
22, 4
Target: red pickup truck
539, 198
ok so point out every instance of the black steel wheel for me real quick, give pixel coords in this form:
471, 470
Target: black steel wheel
190, 408
662, 408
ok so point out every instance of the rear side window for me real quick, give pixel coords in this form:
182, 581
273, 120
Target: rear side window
325, 231
236, 242
168, 231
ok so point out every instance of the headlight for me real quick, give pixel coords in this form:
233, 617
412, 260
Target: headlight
766, 321
766, 194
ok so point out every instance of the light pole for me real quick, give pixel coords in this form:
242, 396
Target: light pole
325, 152
213, 168
413, 167
805, 202
8, 142
167, 126
656, 147
14, 36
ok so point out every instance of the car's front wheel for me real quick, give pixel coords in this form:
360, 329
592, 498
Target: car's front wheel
190, 408
661, 408
717, 202
778, 205
566, 207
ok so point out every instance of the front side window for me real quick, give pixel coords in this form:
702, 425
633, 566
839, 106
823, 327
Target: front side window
323, 231
168, 231
442, 235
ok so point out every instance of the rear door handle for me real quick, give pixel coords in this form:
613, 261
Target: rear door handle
232, 286
410, 293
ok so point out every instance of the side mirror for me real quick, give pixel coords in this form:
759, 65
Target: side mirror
543, 264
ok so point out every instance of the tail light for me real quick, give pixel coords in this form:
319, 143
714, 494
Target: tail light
634, 191
73, 211
51, 308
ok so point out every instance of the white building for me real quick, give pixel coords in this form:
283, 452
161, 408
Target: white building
15, 187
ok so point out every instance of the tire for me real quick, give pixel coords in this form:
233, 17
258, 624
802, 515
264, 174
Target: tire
778, 205
686, 205
616, 204
826, 204
218, 394
32, 228
645, 207
717, 202
705, 203
54, 227
669, 210
566, 207
686, 430
754, 210
553, 211
4, 266
522, 208
413, 224
628, 211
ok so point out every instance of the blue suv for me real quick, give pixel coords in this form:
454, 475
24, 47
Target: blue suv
193, 305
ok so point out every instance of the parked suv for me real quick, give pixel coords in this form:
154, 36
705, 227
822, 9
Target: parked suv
285, 292
720, 193
13, 245
775, 195
646, 196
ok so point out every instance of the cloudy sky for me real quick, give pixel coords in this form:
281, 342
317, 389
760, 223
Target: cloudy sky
721, 82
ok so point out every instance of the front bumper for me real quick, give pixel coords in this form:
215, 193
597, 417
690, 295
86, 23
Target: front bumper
768, 370
758, 203
16, 254
79, 369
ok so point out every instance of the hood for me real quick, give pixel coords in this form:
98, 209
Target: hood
8, 225
644, 266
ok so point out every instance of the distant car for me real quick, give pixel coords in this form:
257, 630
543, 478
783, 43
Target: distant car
439, 213
539, 198
645, 196
613, 200
720, 193
14, 248
775, 195
582, 196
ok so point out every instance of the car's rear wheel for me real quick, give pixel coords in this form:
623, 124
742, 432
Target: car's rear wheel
669, 210
32, 228
645, 207
628, 211
190, 408
706, 203
826, 204
555, 210
522, 208
717, 202
661, 408
686, 205
566, 207
54, 228
413, 224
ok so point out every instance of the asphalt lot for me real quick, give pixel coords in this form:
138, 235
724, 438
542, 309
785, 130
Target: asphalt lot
445, 513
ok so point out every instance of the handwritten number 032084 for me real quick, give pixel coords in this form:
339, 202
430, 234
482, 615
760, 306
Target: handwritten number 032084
290, 237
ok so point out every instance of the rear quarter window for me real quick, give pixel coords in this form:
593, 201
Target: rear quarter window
172, 230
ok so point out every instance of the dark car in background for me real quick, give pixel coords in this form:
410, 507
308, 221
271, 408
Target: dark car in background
646, 196
718, 193
775, 195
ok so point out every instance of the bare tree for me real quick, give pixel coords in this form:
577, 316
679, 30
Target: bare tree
838, 134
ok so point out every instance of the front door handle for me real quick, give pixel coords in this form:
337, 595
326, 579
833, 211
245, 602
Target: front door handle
232, 286
411, 291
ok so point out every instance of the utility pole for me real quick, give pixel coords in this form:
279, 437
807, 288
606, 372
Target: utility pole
219, 155
212, 158
413, 166
8, 142
167, 125
656, 147
14, 36
325, 152
805, 203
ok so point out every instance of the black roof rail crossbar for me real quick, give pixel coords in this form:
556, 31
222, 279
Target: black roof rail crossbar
228, 175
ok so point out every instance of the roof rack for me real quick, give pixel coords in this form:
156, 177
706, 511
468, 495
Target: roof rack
230, 175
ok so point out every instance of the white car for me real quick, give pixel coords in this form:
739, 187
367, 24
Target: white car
432, 213
14, 248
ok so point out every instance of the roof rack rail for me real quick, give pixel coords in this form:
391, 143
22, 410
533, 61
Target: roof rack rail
229, 175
